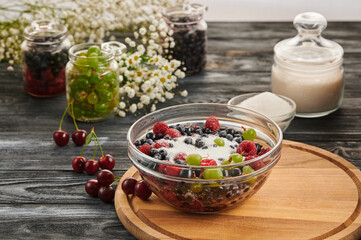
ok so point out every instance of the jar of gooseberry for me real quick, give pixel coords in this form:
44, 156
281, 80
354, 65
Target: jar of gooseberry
44, 56
189, 34
92, 80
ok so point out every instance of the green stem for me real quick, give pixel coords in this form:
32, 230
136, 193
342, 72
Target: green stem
81, 154
62, 118
100, 147
72, 114
95, 149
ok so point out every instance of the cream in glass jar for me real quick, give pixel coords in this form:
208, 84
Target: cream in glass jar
308, 68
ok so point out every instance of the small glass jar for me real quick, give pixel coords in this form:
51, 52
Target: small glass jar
308, 68
44, 56
190, 35
92, 80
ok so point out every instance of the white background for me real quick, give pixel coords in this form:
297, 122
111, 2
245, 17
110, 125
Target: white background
280, 10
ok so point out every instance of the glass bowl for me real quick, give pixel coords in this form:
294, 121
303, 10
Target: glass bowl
194, 194
283, 120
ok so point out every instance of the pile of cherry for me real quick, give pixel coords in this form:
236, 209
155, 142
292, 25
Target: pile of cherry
101, 186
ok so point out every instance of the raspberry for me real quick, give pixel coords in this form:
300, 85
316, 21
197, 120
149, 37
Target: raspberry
161, 143
255, 165
173, 133
212, 123
172, 171
247, 148
208, 162
162, 166
160, 127
180, 156
263, 151
145, 149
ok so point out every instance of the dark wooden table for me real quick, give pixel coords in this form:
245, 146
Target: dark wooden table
42, 197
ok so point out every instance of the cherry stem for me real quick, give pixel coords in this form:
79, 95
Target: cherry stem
116, 179
72, 114
95, 149
81, 154
100, 147
62, 118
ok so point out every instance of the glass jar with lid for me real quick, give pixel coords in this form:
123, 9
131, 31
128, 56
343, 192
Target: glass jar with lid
44, 56
190, 35
308, 68
92, 80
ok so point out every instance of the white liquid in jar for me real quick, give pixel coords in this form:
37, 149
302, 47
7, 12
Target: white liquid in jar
314, 92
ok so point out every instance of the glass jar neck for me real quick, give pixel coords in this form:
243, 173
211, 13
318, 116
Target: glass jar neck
75, 52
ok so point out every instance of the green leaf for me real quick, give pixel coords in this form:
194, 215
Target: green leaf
89, 138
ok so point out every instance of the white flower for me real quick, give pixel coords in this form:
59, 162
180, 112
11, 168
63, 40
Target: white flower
142, 31
154, 35
169, 95
120, 79
184, 93
132, 44
152, 28
133, 108
140, 105
122, 105
153, 108
136, 35
10, 68
145, 99
127, 40
121, 114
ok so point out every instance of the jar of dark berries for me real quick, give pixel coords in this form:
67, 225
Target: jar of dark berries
92, 80
45, 54
190, 35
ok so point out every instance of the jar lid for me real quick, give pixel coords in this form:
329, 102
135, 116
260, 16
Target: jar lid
184, 14
308, 46
45, 31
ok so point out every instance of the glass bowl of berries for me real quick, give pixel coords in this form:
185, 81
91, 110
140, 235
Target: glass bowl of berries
204, 157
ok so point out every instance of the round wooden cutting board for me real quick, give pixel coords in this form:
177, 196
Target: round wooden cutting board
311, 194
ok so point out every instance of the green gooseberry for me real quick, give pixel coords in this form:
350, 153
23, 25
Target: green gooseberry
249, 134
93, 60
94, 50
81, 96
78, 112
94, 78
219, 142
194, 159
236, 157
105, 96
92, 98
101, 107
82, 83
196, 187
101, 86
213, 173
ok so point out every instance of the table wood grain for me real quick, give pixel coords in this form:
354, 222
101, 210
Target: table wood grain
41, 196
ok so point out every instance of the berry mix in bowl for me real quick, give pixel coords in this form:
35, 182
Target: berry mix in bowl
204, 157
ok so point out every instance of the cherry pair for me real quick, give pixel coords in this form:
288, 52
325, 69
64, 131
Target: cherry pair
61, 137
140, 189
101, 187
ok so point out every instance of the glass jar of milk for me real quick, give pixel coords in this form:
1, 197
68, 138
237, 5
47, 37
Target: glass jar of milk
308, 68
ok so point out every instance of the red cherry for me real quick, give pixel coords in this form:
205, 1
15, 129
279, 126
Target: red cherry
79, 164
107, 162
106, 193
61, 137
79, 137
91, 167
142, 191
92, 187
128, 185
105, 177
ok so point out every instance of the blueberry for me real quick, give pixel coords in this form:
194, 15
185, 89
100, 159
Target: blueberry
238, 140
137, 143
150, 135
197, 172
149, 141
180, 128
230, 131
205, 147
229, 137
157, 156
167, 137
208, 130
142, 141
152, 166
205, 135
172, 126
222, 134
144, 163
189, 130
163, 152
188, 141
221, 159
180, 162
185, 173
259, 147
225, 173
215, 145
160, 135
237, 134
171, 145
235, 172
153, 151
200, 144
199, 131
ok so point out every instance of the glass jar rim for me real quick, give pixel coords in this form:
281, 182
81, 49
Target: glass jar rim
53, 32
194, 11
